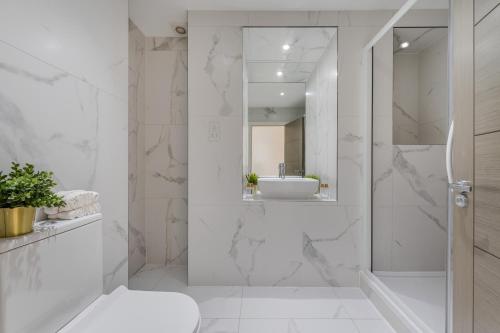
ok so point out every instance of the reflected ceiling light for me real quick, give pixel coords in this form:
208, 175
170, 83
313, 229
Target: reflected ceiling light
286, 47
308, 93
279, 73
404, 45
282, 94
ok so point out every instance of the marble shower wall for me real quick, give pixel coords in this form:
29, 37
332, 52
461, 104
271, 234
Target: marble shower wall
136, 146
409, 186
166, 150
321, 118
233, 242
63, 104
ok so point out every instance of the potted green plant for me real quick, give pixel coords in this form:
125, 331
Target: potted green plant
252, 181
313, 176
21, 192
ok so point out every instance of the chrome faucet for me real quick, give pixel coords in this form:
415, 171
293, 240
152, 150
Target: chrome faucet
282, 168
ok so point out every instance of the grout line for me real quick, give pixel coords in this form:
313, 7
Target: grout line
241, 309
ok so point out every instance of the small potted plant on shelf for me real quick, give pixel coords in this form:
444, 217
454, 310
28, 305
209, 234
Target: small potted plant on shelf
252, 181
312, 176
21, 192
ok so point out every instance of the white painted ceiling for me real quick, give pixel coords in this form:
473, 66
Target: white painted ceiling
159, 17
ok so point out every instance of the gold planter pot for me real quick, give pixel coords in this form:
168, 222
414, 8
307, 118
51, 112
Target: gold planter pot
16, 221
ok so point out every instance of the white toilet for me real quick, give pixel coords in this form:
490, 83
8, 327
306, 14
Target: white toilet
51, 281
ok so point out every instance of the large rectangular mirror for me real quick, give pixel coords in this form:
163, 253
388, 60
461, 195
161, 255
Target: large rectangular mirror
290, 97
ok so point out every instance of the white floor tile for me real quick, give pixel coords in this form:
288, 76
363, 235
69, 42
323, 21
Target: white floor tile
297, 326
219, 326
214, 301
147, 278
217, 302
269, 309
357, 305
373, 326
174, 280
287, 302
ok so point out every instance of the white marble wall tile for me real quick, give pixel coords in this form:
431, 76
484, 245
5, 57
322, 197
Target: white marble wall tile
383, 78
111, 182
166, 86
382, 176
166, 231
166, 150
166, 161
350, 160
215, 71
420, 235
87, 39
137, 106
167, 43
419, 175
166, 147
29, 134
80, 128
351, 75
272, 243
383, 236
248, 240
215, 172
410, 192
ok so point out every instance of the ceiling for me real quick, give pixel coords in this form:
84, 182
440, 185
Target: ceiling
265, 58
159, 17
267, 95
418, 38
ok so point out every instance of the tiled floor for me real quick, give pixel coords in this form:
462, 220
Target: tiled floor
269, 309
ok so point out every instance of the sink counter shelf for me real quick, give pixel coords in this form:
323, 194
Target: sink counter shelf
45, 229
314, 199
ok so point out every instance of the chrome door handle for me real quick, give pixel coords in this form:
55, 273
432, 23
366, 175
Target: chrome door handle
461, 186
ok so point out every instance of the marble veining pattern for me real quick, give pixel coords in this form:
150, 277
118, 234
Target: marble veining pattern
409, 188
165, 151
77, 118
267, 243
136, 147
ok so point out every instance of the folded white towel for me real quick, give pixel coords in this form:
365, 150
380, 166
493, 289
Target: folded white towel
74, 199
79, 212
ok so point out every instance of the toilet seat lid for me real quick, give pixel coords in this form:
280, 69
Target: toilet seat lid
127, 311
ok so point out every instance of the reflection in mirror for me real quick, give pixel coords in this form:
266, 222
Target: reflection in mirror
290, 99
420, 96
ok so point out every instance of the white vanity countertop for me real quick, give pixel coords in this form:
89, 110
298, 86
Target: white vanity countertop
46, 229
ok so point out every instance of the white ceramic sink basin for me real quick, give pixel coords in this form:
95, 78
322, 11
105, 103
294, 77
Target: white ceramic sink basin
288, 188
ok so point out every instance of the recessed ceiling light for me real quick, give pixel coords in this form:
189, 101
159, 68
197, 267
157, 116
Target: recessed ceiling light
286, 47
404, 45
279, 73
282, 94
